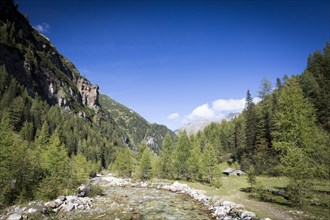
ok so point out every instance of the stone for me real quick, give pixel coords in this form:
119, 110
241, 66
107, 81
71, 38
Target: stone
32, 210
71, 199
69, 207
217, 203
245, 214
52, 204
58, 202
15, 216
62, 198
81, 207
228, 203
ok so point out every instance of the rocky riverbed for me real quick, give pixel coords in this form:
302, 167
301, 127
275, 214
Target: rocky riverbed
124, 199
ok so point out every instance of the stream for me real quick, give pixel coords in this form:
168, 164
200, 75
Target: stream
146, 203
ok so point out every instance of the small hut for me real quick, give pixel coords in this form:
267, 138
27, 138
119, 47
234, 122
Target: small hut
232, 172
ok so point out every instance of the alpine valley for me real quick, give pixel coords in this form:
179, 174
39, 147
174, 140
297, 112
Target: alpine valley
68, 151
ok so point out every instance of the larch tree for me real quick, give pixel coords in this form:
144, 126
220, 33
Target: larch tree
166, 158
182, 155
294, 138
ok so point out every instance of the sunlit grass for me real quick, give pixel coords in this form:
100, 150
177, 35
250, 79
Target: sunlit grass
234, 188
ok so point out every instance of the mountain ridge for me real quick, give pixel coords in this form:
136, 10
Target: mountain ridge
35, 63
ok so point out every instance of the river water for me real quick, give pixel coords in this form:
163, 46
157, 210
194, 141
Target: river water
149, 203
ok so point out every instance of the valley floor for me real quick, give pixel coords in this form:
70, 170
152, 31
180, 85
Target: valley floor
235, 188
124, 199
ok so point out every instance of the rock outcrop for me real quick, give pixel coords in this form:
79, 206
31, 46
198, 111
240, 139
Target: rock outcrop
34, 62
89, 92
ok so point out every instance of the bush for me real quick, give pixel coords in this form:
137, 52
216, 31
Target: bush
262, 193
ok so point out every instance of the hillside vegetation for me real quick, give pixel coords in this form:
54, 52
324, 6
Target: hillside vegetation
138, 129
54, 134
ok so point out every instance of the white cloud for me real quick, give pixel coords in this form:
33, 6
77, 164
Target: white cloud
173, 116
228, 105
217, 110
42, 28
203, 112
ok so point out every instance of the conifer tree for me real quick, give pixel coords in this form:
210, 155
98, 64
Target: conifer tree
145, 165
27, 131
42, 136
55, 162
166, 158
265, 88
208, 162
194, 161
123, 162
182, 155
250, 130
295, 138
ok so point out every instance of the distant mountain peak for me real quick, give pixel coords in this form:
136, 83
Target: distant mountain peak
198, 125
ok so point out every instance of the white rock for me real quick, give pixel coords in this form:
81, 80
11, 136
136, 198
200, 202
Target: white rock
81, 207
245, 214
68, 207
71, 199
58, 202
228, 203
15, 216
32, 210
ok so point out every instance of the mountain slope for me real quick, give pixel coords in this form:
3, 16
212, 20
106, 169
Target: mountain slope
138, 129
35, 63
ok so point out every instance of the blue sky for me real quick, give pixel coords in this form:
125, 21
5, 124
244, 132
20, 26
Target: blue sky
174, 62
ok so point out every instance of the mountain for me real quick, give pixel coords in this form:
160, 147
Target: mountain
138, 129
36, 64
32, 59
54, 133
198, 125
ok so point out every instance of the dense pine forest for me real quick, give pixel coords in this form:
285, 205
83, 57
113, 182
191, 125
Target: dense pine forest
51, 144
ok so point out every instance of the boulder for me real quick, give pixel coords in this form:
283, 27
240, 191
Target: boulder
52, 204
15, 216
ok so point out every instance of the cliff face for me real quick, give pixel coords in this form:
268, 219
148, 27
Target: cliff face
89, 93
35, 62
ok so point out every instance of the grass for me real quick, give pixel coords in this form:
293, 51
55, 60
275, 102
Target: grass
235, 188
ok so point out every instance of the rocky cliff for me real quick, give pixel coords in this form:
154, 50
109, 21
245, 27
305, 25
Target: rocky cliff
35, 62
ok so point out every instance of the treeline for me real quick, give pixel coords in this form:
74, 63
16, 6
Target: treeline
184, 158
45, 150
